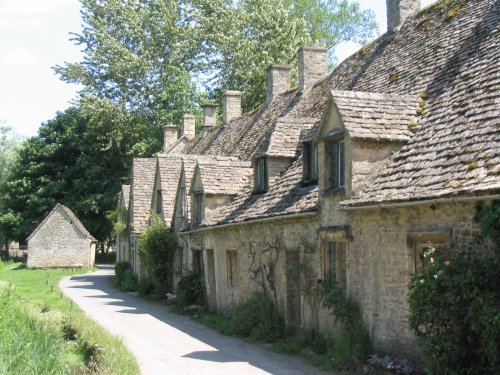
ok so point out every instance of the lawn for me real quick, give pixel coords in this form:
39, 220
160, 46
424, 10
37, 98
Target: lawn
41, 332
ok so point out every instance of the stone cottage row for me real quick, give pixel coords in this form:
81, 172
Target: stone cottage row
349, 175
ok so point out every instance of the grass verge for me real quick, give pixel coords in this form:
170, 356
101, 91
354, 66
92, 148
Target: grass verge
69, 341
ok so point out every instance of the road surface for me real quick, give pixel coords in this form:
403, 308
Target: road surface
166, 343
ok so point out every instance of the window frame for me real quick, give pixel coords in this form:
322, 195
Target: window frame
335, 262
261, 174
197, 210
309, 162
336, 163
232, 268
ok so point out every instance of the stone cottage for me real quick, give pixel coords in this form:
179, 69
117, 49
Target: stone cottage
353, 173
61, 240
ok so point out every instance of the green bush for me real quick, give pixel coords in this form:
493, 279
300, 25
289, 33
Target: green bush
120, 269
455, 312
257, 318
157, 247
190, 291
129, 283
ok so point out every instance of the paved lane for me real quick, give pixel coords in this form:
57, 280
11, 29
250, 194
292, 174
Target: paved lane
166, 343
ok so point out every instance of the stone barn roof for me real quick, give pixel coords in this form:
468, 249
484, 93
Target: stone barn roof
72, 218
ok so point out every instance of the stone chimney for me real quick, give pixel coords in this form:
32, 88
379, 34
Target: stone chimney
189, 126
278, 80
209, 117
169, 136
398, 11
231, 106
312, 66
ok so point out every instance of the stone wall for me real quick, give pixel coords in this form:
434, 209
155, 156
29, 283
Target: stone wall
399, 10
382, 257
58, 243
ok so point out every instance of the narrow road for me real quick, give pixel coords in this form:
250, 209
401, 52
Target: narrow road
166, 343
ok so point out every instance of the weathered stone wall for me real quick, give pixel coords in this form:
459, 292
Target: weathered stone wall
279, 79
381, 260
312, 66
58, 243
399, 10
287, 234
231, 106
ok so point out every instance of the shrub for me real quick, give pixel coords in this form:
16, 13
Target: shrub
257, 318
129, 283
455, 314
190, 291
120, 269
157, 247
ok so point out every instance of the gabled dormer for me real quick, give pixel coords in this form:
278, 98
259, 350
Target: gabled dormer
357, 133
278, 151
215, 182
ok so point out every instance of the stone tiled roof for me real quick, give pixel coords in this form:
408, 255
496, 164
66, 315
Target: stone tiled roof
456, 151
169, 168
141, 192
224, 176
287, 196
71, 216
446, 61
285, 137
376, 116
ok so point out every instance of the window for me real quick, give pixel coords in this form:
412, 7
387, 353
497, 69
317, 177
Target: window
420, 242
184, 207
232, 268
159, 201
261, 176
336, 164
198, 268
310, 162
335, 263
197, 207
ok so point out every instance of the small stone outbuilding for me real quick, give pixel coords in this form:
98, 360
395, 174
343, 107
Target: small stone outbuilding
61, 240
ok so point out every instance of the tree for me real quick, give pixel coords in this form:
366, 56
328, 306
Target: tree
79, 158
331, 22
9, 142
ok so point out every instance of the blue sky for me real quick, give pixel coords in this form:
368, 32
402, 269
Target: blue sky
35, 37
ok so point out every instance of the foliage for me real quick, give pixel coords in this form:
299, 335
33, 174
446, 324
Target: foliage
120, 269
455, 314
400, 366
40, 297
30, 343
79, 159
257, 318
331, 22
303, 342
129, 283
489, 217
214, 321
9, 143
157, 247
190, 290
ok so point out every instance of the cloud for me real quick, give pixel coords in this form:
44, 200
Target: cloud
31, 7
18, 56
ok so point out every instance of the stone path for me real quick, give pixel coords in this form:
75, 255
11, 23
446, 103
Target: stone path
166, 343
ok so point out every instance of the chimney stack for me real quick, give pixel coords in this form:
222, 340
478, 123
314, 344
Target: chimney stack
231, 106
278, 80
398, 11
312, 66
209, 117
169, 136
189, 126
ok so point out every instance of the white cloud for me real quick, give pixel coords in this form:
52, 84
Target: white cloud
19, 55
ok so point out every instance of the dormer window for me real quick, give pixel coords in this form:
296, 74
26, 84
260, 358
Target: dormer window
197, 208
336, 163
310, 162
261, 175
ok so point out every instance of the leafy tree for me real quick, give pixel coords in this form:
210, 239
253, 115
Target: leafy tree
79, 159
9, 142
331, 22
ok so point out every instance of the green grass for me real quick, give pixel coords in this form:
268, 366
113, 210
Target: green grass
44, 314
214, 321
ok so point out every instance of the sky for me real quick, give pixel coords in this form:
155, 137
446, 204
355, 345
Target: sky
35, 36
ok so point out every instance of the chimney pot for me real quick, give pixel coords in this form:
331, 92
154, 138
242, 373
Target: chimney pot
231, 106
398, 11
189, 126
209, 117
278, 80
312, 66
169, 136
